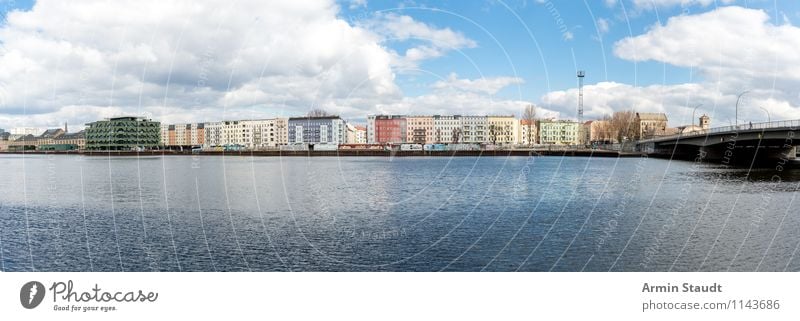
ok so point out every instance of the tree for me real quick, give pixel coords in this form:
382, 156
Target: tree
529, 116
623, 124
456, 135
318, 112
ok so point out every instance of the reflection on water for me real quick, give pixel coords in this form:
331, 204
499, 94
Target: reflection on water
74, 213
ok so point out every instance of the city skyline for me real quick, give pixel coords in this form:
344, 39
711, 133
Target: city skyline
356, 58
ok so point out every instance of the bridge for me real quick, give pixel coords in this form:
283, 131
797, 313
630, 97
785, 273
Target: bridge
743, 143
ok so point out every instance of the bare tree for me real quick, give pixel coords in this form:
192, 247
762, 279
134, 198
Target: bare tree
456, 135
623, 124
318, 112
529, 116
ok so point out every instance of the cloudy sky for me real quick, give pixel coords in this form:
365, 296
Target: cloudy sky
186, 61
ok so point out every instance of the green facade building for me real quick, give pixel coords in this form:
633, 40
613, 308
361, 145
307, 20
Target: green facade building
123, 133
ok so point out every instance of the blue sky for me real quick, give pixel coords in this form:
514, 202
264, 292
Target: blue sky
528, 39
211, 60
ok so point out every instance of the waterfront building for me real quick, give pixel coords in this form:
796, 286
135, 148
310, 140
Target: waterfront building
214, 135
316, 130
281, 131
4, 141
164, 134
474, 129
527, 132
559, 132
390, 129
48, 137
361, 135
503, 130
22, 143
72, 140
704, 124
447, 129
599, 132
371, 129
349, 133
419, 129
183, 135
266, 133
24, 131
355, 134
227, 133
650, 124
123, 133
67, 141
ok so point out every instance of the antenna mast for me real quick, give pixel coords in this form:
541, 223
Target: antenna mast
581, 74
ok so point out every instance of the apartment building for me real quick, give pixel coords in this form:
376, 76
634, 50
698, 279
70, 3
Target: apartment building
559, 132
503, 130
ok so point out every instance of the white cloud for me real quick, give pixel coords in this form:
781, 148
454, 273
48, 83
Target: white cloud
729, 41
355, 4
460, 103
436, 42
653, 4
485, 85
183, 61
603, 25
732, 49
160, 56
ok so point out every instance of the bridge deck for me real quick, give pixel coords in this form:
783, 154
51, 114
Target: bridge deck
787, 125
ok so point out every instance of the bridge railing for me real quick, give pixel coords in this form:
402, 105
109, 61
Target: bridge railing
748, 126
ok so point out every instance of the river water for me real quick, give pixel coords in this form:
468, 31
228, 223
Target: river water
212, 213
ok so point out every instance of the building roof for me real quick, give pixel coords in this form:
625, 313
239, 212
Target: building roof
652, 116
359, 127
52, 133
27, 138
313, 117
78, 135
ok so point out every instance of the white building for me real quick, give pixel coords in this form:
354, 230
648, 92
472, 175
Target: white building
24, 131
371, 129
228, 133
251, 134
474, 129
446, 128
266, 133
526, 138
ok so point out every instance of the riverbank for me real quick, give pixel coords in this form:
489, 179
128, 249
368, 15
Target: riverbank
346, 153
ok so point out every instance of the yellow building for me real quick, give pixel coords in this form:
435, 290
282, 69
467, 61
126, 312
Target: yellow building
503, 130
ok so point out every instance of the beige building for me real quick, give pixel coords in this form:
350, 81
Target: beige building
650, 124
599, 132
559, 132
704, 124
251, 134
528, 134
503, 130
419, 129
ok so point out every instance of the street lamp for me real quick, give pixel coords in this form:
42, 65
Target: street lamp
769, 118
737, 106
694, 110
